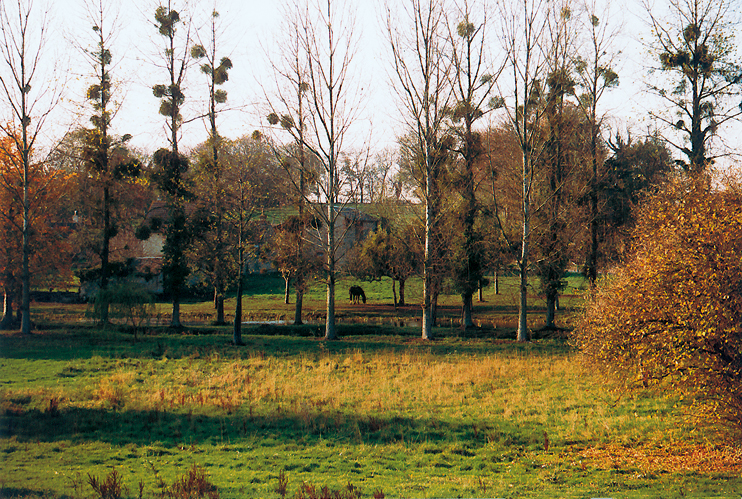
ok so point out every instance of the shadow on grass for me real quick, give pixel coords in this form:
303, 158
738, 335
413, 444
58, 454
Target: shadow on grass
25, 493
161, 432
67, 344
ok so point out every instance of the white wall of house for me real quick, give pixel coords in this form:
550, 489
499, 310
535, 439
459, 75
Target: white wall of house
152, 247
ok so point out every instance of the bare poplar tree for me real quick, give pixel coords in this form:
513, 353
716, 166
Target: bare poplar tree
290, 102
474, 80
595, 75
29, 99
217, 72
243, 159
325, 47
422, 67
695, 47
524, 37
560, 160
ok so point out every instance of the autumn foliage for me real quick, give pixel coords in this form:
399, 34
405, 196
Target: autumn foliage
50, 252
671, 315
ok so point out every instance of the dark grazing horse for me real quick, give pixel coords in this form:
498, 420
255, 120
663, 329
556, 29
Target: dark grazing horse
356, 292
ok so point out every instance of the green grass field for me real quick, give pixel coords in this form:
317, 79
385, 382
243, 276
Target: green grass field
472, 414
264, 301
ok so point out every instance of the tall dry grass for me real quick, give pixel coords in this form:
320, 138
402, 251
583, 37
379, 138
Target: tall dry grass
554, 393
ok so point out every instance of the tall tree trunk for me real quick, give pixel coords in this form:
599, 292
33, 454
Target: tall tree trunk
300, 278
175, 320
330, 332
26, 245
523, 334
472, 260
467, 306
394, 293
177, 256
551, 304
7, 321
102, 118
430, 219
434, 307
428, 312
219, 295
591, 265
299, 286
466, 316
401, 292
287, 289
176, 210
8, 289
298, 305
218, 267
237, 329
105, 251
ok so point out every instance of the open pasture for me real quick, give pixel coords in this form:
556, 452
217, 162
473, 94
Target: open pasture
467, 415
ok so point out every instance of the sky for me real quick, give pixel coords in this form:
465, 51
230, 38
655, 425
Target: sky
251, 33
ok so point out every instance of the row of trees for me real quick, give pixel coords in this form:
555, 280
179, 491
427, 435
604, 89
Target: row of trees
527, 187
92, 187
557, 67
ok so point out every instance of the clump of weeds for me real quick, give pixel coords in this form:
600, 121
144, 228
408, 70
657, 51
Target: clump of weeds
194, 484
111, 487
310, 491
283, 483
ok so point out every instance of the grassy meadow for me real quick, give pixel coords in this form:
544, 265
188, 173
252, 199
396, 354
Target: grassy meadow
471, 414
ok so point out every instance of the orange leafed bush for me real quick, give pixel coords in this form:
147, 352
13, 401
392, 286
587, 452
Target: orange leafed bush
672, 313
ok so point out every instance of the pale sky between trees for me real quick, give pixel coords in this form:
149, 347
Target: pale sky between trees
250, 35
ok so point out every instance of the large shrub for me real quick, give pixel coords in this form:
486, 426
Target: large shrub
671, 315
